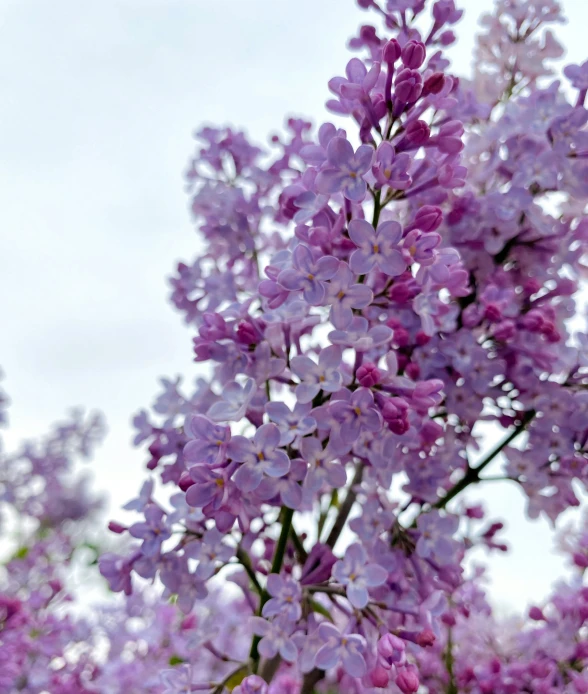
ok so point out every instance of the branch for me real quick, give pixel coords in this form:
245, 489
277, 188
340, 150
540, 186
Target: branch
345, 509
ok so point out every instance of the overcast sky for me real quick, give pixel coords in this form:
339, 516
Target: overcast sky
98, 103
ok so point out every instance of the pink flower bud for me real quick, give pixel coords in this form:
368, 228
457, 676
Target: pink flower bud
391, 650
407, 680
185, 481
428, 218
368, 375
426, 637
536, 614
117, 528
417, 133
379, 677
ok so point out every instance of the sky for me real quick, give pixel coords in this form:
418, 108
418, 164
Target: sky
98, 104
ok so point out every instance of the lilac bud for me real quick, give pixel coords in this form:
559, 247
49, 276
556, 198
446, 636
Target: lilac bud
407, 680
252, 685
185, 481
408, 86
413, 54
368, 375
426, 638
428, 218
318, 565
434, 84
379, 677
117, 528
417, 132
392, 52
391, 650
536, 614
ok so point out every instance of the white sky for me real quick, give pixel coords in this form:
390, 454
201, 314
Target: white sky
97, 106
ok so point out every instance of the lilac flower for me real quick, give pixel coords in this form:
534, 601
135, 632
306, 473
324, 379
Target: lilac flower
391, 169
357, 575
292, 424
209, 551
345, 649
140, 422
210, 487
323, 376
209, 444
316, 155
276, 637
143, 499
286, 596
323, 468
308, 275
259, 456
343, 296
435, 541
346, 170
578, 75
359, 337
154, 531
354, 415
287, 489
234, 403
376, 248
117, 571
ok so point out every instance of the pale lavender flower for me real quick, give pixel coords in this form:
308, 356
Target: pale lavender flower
143, 499
292, 424
578, 75
209, 551
436, 541
253, 684
391, 169
316, 377
376, 248
276, 637
178, 680
286, 596
287, 489
359, 337
357, 575
308, 275
209, 441
234, 401
343, 295
259, 456
154, 531
346, 649
354, 415
346, 170
322, 466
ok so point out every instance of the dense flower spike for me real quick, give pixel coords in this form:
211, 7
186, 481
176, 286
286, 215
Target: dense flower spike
361, 316
368, 301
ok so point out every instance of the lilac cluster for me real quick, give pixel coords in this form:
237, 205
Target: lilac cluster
369, 302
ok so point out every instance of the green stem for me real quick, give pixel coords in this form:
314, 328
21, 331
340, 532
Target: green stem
377, 208
472, 476
246, 563
288, 513
346, 506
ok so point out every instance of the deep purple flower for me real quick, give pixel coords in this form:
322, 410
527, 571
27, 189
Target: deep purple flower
343, 296
258, 457
308, 275
316, 377
347, 649
357, 575
376, 248
346, 170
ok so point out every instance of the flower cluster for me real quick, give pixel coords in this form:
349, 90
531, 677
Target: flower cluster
369, 302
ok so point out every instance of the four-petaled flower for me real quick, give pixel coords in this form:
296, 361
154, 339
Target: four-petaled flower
316, 377
286, 595
258, 456
357, 575
308, 275
209, 444
348, 649
344, 294
345, 170
154, 531
276, 637
379, 248
234, 403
